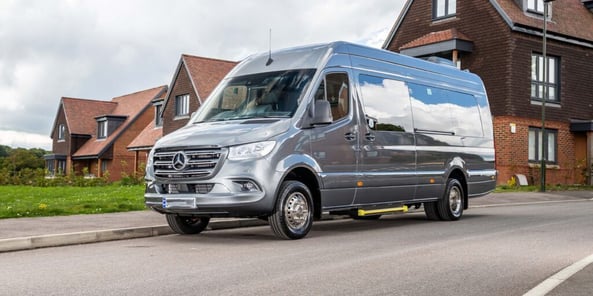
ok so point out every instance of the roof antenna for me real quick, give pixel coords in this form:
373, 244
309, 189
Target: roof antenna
270, 60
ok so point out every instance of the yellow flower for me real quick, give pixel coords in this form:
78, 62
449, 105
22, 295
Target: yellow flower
42, 206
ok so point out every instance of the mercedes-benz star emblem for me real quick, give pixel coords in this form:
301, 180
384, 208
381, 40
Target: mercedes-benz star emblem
179, 161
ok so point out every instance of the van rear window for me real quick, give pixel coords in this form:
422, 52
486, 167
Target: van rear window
441, 110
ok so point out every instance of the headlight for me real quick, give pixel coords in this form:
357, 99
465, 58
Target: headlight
149, 166
253, 150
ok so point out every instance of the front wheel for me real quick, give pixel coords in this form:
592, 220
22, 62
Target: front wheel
450, 208
293, 214
187, 225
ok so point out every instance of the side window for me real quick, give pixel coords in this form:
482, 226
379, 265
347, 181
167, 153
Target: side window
335, 89
386, 104
444, 111
465, 114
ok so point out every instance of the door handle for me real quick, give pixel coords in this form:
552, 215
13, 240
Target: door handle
349, 136
369, 136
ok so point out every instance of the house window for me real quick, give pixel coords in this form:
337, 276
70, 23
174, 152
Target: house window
104, 166
542, 146
182, 105
61, 167
61, 132
158, 120
102, 130
537, 78
535, 6
443, 8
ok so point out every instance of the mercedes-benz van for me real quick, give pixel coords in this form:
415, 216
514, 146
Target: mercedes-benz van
336, 128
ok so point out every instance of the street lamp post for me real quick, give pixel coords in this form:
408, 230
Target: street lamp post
545, 98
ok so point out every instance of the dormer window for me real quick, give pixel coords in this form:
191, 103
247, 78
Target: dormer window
102, 129
444, 8
107, 124
535, 6
538, 7
158, 120
61, 132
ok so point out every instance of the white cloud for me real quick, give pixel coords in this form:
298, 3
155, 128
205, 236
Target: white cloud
103, 49
24, 140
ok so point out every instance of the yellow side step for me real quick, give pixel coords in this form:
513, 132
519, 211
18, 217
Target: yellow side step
363, 213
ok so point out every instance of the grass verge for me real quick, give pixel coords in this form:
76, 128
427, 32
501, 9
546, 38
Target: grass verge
28, 201
532, 188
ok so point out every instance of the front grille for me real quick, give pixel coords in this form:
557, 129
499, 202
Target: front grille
202, 188
190, 164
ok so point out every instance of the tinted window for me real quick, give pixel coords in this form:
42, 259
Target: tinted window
334, 88
260, 95
386, 104
441, 110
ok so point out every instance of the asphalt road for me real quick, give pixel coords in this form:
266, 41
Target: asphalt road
491, 251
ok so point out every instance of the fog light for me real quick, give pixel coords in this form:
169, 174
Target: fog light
247, 186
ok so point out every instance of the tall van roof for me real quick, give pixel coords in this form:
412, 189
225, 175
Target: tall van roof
318, 56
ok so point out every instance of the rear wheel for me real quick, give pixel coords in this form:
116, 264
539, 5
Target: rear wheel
450, 208
293, 214
187, 225
430, 209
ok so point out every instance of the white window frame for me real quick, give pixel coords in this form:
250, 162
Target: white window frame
444, 8
61, 132
102, 132
158, 120
182, 105
535, 6
537, 78
550, 143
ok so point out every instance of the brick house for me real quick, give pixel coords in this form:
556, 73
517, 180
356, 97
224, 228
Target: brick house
142, 144
91, 136
193, 80
501, 41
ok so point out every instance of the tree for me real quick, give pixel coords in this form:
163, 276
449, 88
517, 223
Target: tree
15, 160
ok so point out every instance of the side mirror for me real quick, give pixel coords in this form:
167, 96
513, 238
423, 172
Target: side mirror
322, 113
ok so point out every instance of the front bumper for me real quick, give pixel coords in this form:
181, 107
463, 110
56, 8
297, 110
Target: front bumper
248, 204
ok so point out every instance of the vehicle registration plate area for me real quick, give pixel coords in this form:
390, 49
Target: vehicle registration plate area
179, 203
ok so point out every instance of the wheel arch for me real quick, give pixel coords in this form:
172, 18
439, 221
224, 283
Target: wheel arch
309, 178
460, 176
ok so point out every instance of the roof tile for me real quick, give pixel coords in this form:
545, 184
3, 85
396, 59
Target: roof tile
206, 73
569, 18
130, 105
147, 137
436, 37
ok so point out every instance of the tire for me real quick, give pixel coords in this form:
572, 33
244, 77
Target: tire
430, 209
187, 225
450, 207
293, 214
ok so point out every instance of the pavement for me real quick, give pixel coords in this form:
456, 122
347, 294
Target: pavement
31, 233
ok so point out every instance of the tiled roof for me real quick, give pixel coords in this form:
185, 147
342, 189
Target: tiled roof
130, 106
146, 138
569, 18
436, 37
206, 73
80, 114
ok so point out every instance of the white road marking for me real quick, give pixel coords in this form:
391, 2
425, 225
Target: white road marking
554, 281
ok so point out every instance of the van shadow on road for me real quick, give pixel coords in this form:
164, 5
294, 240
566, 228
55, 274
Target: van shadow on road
263, 234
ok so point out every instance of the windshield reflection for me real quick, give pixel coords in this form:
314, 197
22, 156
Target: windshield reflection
262, 95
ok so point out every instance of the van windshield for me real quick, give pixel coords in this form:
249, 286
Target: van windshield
261, 95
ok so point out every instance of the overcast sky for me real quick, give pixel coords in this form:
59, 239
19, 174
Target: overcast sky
104, 49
